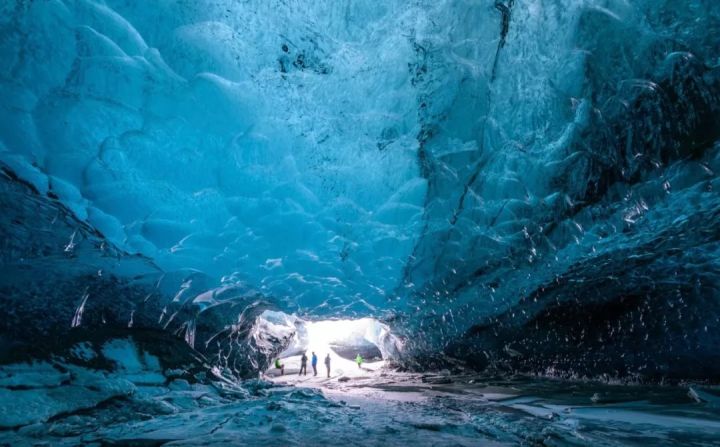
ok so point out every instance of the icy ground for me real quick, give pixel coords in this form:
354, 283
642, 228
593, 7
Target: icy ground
341, 369
138, 403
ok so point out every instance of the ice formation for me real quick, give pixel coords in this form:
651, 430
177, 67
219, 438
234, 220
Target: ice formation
516, 185
192, 189
345, 338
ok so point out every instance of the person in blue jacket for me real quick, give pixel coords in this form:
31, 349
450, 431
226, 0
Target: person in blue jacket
314, 363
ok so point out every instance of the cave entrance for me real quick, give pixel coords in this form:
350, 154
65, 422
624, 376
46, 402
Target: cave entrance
342, 339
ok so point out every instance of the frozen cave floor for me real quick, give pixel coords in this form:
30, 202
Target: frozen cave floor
139, 404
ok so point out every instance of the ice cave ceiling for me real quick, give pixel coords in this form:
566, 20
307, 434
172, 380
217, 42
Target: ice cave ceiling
527, 184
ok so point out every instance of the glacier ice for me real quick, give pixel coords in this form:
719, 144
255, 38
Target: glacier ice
345, 338
520, 185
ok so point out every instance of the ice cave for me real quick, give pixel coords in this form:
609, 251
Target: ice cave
360, 222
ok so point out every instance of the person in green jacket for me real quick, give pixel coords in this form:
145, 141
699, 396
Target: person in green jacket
280, 366
359, 360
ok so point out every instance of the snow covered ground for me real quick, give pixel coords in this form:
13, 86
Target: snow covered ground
339, 368
137, 402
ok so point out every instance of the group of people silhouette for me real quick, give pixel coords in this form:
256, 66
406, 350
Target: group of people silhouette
303, 364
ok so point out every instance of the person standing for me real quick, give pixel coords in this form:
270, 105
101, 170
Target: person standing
280, 366
313, 362
303, 364
359, 360
327, 364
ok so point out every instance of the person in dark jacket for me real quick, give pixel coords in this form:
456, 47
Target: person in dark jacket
303, 364
327, 364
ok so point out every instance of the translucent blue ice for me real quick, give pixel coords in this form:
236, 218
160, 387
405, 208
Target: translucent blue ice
500, 179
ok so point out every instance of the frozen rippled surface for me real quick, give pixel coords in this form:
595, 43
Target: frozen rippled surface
515, 185
136, 402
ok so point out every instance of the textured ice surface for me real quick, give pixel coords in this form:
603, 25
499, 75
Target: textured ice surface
369, 407
520, 184
344, 337
223, 137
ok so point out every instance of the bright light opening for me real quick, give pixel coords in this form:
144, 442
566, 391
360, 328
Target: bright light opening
343, 340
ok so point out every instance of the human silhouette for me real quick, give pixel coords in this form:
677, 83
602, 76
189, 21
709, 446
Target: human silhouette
313, 362
303, 364
280, 366
327, 364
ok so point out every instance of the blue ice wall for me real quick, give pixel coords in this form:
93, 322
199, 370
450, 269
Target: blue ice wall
468, 168
273, 143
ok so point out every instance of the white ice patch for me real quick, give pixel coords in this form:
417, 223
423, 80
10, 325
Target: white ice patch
141, 369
